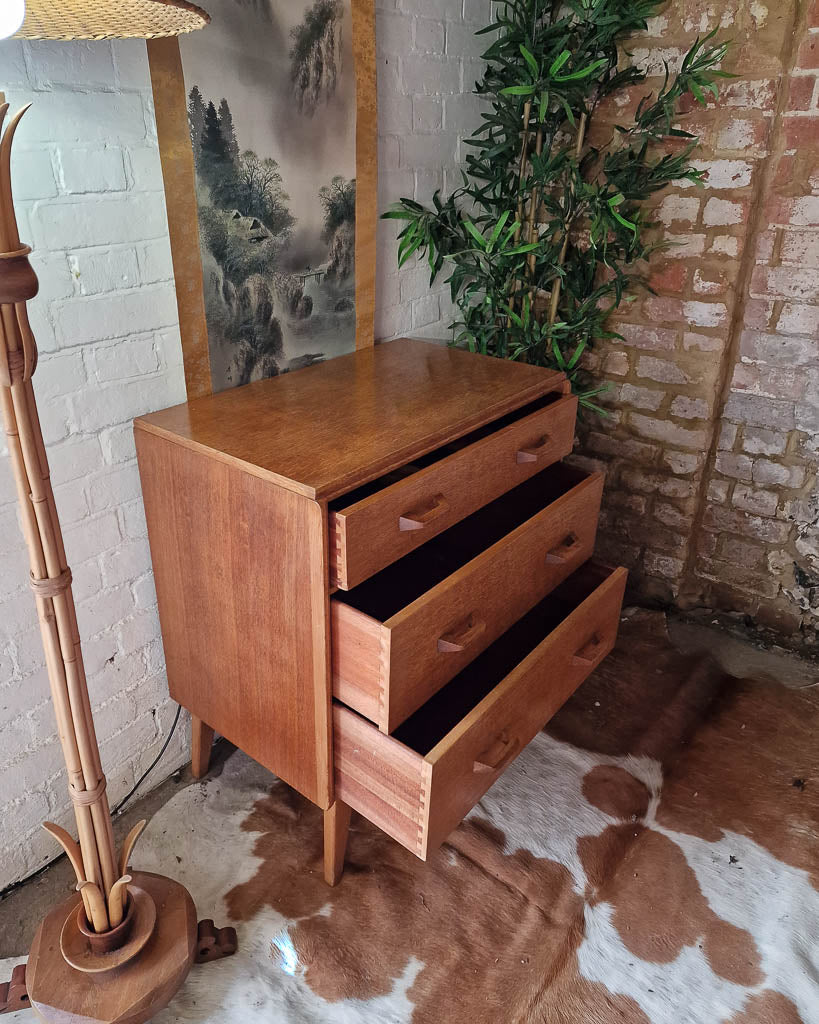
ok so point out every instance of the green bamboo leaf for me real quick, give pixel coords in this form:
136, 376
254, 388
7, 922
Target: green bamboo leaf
470, 227
518, 90
559, 61
578, 352
561, 362
530, 60
575, 76
504, 217
510, 234
601, 389
513, 316
568, 111
403, 257
626, 223
595, 408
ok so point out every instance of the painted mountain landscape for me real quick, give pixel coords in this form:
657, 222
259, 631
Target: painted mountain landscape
271, 108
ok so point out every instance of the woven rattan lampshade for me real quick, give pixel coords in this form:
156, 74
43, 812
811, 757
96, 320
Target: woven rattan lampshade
110, 19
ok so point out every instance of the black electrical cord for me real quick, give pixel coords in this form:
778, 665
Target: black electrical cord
151, 767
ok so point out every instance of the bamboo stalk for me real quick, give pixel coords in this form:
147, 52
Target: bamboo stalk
534, 203
581, 134
50, 576
524, 155
54, 665
99, 913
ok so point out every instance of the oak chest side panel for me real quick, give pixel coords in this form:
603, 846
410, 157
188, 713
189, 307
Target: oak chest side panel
241, 569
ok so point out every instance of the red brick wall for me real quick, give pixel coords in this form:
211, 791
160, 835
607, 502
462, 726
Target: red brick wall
712, 448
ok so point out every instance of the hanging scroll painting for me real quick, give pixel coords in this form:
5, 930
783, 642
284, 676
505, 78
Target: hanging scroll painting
272, 109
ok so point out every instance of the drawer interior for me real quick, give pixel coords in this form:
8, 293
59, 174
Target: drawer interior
422, 462
442, 712
403, 582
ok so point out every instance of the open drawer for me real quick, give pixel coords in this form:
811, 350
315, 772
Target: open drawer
418, 784
403, 634
380, 522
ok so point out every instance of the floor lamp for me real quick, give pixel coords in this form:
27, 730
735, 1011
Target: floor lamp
122, 946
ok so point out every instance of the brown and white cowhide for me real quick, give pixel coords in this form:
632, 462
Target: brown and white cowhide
651, 858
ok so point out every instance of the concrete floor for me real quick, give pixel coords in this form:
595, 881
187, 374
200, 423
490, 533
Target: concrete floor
731, 645
22, 909
740, 652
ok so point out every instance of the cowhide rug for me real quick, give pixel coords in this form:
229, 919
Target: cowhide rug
651, 857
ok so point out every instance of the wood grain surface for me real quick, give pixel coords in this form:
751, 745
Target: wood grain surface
176, 153
241, 579
419, 796
336, 828
201, 744
131, 994
366, 159
387, 669
517, 709
367, 536
326, 429
360, 660
379, 777
492, 591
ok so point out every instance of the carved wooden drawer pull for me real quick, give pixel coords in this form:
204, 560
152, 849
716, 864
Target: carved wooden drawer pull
461, 637
591, 653
419, 518
565, 550
498, 756
543, 447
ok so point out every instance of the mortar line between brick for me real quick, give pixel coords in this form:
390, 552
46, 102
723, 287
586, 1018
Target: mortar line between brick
770, 165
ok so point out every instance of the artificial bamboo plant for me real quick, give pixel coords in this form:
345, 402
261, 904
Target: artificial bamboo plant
550, 233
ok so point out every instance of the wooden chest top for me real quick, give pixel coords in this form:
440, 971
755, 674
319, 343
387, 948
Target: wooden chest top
323, 430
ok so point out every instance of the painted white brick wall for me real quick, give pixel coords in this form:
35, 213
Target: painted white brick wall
428, 62
88, 185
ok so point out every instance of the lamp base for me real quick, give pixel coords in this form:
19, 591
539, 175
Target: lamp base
127, 993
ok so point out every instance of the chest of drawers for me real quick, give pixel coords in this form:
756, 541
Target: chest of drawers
374, 576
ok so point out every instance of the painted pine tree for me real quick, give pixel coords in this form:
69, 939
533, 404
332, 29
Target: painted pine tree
228, 131
196, 119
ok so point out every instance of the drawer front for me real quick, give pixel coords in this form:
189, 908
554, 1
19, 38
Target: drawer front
432, 639
419, 800
380, 778
387, 525
472, 756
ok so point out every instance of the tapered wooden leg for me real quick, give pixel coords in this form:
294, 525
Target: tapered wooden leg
201, 742
336, 827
